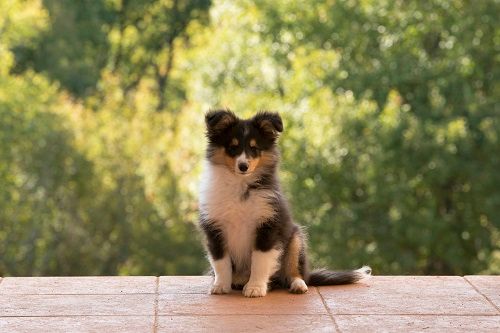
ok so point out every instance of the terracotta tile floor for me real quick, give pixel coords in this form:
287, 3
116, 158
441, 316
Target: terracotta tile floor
181, 304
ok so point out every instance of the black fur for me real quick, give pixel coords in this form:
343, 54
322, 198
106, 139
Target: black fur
214, 236
268, 235
223, 126
217, 122
265, 181
269, 122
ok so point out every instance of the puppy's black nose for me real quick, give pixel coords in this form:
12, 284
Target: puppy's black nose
243, 167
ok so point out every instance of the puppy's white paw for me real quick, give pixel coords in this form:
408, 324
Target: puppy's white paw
255, 290
298, 286
218, 289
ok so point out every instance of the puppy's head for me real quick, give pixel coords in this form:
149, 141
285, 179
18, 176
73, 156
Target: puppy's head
243, 145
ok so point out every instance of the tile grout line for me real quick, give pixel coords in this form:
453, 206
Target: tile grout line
480, 293
412, 314
328, 310
67, 294
155, 321
191, 314
253, 314
72, 316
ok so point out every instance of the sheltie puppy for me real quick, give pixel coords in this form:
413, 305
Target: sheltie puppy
251, 240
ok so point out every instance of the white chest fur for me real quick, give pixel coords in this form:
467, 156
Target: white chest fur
223, 201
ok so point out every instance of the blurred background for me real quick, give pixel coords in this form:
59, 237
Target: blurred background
390, 154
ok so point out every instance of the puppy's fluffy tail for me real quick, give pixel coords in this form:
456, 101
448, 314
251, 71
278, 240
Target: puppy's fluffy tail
324, 277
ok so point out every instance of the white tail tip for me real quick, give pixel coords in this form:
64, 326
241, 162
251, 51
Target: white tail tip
364, 272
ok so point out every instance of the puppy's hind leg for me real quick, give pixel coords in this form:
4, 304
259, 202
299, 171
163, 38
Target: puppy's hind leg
295, 264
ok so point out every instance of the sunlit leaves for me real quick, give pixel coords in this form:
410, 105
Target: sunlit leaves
389, 154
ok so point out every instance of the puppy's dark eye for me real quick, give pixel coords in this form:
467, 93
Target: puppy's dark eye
232, 148
254, 150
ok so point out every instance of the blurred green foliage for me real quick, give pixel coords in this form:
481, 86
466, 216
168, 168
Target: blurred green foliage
390, 152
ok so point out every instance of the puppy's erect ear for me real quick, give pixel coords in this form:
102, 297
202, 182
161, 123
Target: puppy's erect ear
268, 122
218, 121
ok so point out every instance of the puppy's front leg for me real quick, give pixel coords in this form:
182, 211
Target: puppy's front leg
223, 275
265, 260
264, 264
219, 258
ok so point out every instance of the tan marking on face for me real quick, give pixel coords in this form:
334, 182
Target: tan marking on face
218, 157
230, 162
266, 159
234, 142
222, 158
253, 163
